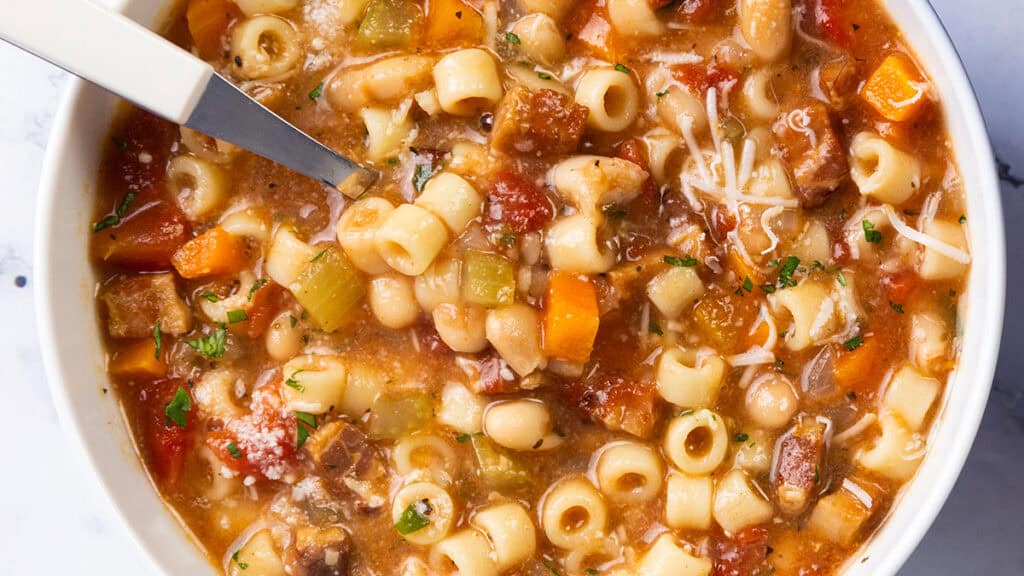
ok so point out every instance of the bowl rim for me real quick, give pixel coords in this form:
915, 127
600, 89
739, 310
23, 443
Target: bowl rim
986, 309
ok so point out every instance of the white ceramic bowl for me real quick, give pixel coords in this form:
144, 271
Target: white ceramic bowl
73, 354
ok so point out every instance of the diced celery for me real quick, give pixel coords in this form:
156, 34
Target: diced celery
394, 416
497, 468
329, 289
487, 279
387, 24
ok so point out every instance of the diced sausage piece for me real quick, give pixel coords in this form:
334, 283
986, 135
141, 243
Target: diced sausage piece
515, 201
541, 122
798, 466
135, 304
322, 551
350, 461
615, 401
838, 80
745, 553
811, 148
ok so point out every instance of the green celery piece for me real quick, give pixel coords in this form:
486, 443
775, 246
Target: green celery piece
329, 289
395, 416
487, 279
387, 24
497, 468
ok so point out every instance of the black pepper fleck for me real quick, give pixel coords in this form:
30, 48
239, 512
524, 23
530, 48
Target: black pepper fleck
238, 60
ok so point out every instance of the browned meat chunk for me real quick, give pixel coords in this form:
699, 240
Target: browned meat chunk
616, 402
798, 466
542, 122
838, 79
322, 551
135, 304
352, 464
811, 148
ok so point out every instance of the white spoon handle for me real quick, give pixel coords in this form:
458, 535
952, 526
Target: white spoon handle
108, 49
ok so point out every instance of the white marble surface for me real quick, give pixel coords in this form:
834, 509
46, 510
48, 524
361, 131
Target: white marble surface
55, 520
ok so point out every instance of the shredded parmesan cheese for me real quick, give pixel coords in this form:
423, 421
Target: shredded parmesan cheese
855, 429
766, 225
951, 252
754, 356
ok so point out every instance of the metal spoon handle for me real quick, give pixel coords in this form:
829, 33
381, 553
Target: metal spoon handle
129, 60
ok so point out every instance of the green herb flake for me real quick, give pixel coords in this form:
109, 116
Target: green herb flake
115, 218
420, 176
748, 284
897, 307
543, 76
741, 437
233, 450
236, 316
962, 219
621, 68
463, 438
318, 256
256, 288
870, 234
841, 279
157, 340
512, 38
393, 161
241, 565
655, 329
853, 343
551, 567
292, 383
787, 270
414, 518
316, 92
120, 142
293, 320
212, 345
661, 94
209, 296
768, 288
304, 422
688, 262
817, 475
177, 409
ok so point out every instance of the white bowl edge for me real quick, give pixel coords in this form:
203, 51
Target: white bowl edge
71, 351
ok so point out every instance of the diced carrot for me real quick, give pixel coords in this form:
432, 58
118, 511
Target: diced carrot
207, 22
740, 266
571, 318
453, 22
896, 89
146, 239
760, 335
213, 252
588, 26
138, 359
854, 368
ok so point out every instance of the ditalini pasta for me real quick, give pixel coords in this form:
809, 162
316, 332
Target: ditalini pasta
644, 288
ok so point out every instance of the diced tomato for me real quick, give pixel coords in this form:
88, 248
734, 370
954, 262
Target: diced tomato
518, 203
166, 442
615, 400
265, 304
832, 21
146, 238
899, 285
699, 77
265, 438
744, 554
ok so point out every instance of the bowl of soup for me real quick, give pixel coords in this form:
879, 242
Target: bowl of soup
704, 287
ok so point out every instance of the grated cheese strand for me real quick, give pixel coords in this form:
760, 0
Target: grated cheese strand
951, 252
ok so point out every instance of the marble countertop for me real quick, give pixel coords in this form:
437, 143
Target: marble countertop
54, 518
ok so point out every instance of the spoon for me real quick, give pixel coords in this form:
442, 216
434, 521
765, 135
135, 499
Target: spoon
108, 49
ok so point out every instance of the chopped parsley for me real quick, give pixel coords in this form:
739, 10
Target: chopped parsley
210, 296
212, 345
236, 316
293, 320
255, 288
316, 92
512, 38
157, 341
653, 328
661, 94
551, 567
115, 218
304, 422
853, 343
897, 307
787, 270
319, 255
543, 76
841, 279
292, 383
421, 175
233, 450
462, 438
415, 517
688, 262
241, 565
741, 437
962, 219
768, 288
621, 68
177, 409
870, 234
120, 142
